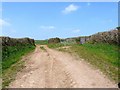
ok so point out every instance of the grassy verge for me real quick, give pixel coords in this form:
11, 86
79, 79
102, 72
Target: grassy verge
9, 74
11, 62
42, 42
102, 56
41, 47
55, 45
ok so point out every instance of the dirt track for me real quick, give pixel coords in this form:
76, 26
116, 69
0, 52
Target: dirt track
55, 69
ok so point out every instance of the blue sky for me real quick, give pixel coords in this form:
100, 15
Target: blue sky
43, 20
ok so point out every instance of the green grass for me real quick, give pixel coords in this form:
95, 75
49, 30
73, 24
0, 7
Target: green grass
11, 62
9, 74
102, 56
41, 47
55, 45
12, 54
42, 42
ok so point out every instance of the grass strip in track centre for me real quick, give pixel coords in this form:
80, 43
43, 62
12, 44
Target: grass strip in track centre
57, 45
41, 47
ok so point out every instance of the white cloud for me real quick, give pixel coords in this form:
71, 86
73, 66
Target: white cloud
4, 23
88, 4
70, 9
47, 27
76, 30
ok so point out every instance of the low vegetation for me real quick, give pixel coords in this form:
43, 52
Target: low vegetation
12, 51
11, 54
9, 74
41, 42
101, 55
41, 47
55, 45
11, 62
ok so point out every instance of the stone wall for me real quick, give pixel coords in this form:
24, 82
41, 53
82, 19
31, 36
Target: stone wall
7, 41
110, 37
84, 39
68, 41
54, 40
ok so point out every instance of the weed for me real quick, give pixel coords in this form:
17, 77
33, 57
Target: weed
55, 45
41, 47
